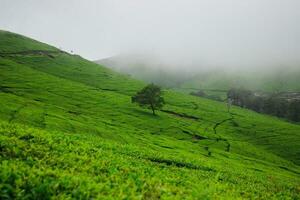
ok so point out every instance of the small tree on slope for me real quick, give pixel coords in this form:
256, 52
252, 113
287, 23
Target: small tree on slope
149, 97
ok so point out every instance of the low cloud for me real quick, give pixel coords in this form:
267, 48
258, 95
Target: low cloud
193, 33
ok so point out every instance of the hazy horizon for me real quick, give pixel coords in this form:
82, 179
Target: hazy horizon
229, 33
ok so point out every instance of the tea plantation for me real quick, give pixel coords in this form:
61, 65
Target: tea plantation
68, 130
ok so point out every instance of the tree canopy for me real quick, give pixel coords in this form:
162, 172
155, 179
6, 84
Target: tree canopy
149, 97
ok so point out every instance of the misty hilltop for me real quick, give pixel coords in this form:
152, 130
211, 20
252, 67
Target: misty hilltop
279, 78
209, 32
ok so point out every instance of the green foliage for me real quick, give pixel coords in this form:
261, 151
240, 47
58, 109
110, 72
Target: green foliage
149, 97
69, 131
274, 104
294, 110
37, 164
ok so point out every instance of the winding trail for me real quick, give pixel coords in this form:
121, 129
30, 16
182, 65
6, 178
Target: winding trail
228, 146
221, 122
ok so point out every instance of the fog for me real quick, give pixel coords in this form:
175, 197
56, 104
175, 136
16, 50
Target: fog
187, 34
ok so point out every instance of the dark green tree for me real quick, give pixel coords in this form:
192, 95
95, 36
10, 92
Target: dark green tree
294, 110
149, 97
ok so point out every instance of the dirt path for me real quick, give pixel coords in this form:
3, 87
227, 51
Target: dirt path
32, 52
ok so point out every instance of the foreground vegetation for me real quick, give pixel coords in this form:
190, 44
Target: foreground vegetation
68, 129
39, 164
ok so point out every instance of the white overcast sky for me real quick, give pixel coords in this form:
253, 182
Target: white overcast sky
215, 32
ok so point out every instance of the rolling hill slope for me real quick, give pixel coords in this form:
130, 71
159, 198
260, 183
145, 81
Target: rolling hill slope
69, 130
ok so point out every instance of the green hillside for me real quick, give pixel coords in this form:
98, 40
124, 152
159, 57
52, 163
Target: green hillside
68, 130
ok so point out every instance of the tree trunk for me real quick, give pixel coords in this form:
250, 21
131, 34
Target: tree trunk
153, 110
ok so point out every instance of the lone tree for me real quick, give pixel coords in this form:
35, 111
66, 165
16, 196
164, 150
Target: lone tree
149, 97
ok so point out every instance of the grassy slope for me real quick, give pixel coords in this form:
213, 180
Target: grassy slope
10, 42
84, 138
